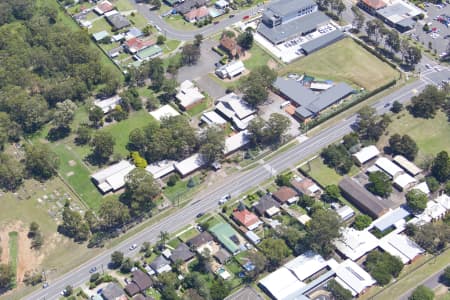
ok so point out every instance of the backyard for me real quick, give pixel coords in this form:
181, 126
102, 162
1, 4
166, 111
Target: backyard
345, 61
431, 135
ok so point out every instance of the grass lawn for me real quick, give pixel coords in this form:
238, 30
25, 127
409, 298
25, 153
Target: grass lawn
121, 130
138, 20
178, 22
170, 45
180, 191
100, 25
13, 252
153, 293
258, 57
345, 61
322, 173
198, 109
77, 174
188, 234
122, 5
431, 135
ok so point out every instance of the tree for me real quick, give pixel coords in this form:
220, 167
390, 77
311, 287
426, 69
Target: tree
41, 162
422, 293
275, 251
6, 276
338, 292
393, 40
425, 104
323, 228
447, 187
219, 289
432, 183
160, 40
140, 192
194, 281
138, 160
113, 213
338, 158
433, 237
283, 179
260, 263
102, 147
379, 184
255, 86
198, 38
68, 290
358, 20
33, 229
190, 54
84, 134
440, 167
156, 4
276, 127
403, 145
245, 40
117, 258
96, 116
369, 125
126, 265
396, 107
445, 277
331, 193
383, 266
73, 225
212, 143
362, 222
350, 140
64, 113
411, 55
11, 173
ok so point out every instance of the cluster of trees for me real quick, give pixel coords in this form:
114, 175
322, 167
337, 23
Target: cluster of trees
338, 292
403, 145
190, 53
40, 163
338, 157
440, 167
422, 293
428, 102
417, 201
172, 138
369, 125
136, 201
383, 266
270, 132
362, 222
245, 39
433, 237
255, 86
6, 276
333, 8
358, 18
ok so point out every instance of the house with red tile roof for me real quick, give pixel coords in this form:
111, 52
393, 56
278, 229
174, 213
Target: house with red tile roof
229, 44
306, 187
197, 14
285, 194
135, 44
372, 5
103, 7
246, 219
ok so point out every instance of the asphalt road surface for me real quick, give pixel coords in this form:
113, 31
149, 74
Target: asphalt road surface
432, 282
234, 185
172, 33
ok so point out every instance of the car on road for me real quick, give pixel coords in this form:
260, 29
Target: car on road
224, 199
45, 285
245, 17
199, 215
158, 28
63, 292
216, 22
231, 16
387, 105
99, 291
92, 270
428, 66
132, 247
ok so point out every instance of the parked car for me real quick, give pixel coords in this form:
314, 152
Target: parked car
92, 270
45, 285
132, 247
231, 16
199, 215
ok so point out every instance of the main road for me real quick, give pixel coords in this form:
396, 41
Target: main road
235, 185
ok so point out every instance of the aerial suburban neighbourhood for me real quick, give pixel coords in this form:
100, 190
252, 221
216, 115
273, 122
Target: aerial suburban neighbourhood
224, 149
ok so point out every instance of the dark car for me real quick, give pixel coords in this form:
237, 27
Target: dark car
216, 22
231, 16
93, 269
199, 215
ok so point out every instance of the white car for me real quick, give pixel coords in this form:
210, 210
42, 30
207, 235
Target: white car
224, 199
132, 247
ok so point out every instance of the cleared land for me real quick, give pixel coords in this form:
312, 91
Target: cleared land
122, 129
13, 251
345, 61
431, 135
322, 173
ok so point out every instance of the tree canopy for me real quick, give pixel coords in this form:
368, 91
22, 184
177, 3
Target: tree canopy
417, 201
379, 184
403, 145
323, 228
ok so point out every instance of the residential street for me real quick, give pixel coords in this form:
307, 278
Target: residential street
432, 282
183, 35
234, 185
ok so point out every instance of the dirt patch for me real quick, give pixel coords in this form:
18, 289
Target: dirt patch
71, 173
272, 64
28, 259
72, 163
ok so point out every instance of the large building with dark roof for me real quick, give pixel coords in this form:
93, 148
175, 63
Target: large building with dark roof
286, 19
308, 103
362, 198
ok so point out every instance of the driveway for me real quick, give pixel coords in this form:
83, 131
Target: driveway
199, 72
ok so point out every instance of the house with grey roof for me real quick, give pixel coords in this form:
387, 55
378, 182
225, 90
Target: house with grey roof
267, 206
160, 265
113, 291
117, 20
186, 6
309, 104
181, 253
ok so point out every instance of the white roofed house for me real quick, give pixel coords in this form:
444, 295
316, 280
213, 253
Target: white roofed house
366, 154
354, 243
404, 182
164, 111
233, 108
190, 165
113, 177
231, 69
107, 105
236, 142
387, 166
188, 95
161, 168
401, 246
353, 278
408, 166
213, 118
